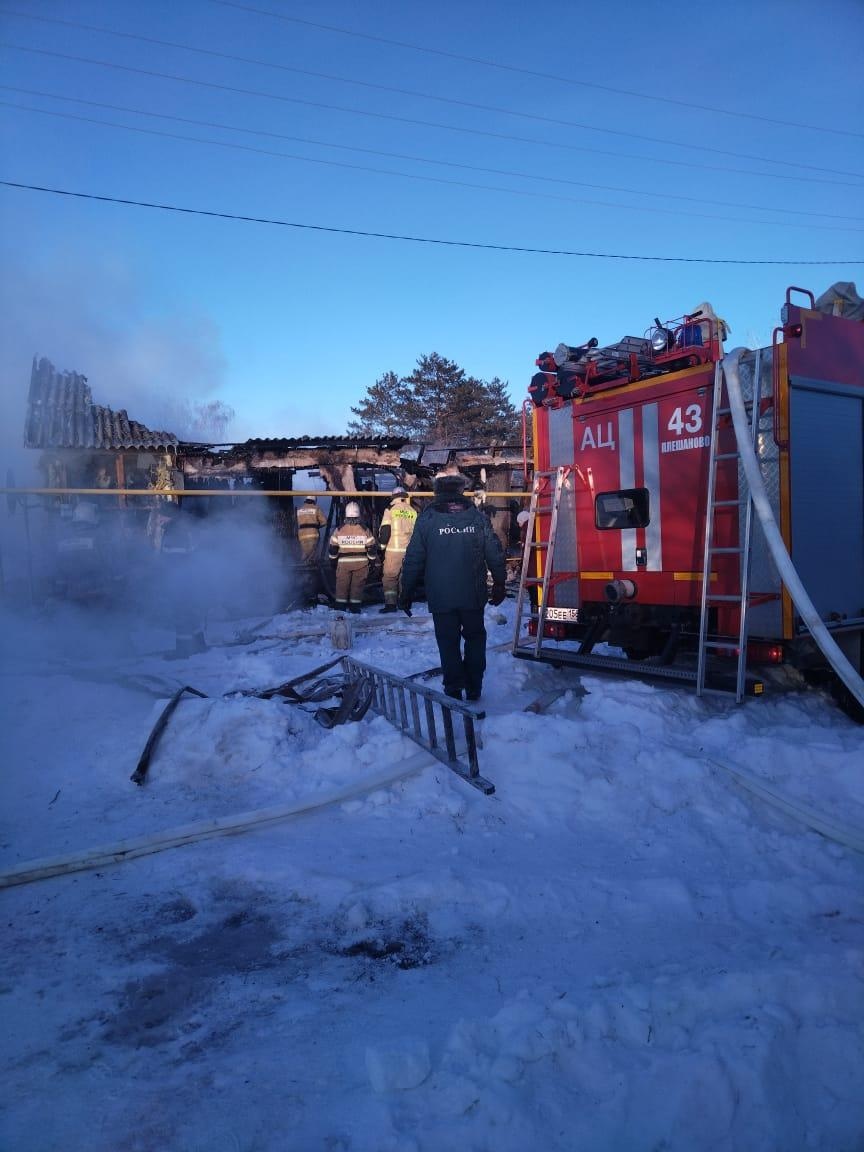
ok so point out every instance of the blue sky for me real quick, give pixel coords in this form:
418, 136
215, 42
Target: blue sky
593, 134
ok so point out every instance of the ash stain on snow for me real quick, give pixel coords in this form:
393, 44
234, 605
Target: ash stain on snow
149, 1006
177, 911
240, 958
242, 942
404, 944
161, 1005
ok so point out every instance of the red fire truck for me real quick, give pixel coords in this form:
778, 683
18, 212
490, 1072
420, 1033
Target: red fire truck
659, 466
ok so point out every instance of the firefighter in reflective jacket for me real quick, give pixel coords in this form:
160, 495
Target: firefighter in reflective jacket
352, 547
310, 521
397, 524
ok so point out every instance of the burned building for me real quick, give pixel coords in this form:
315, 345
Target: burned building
87, 448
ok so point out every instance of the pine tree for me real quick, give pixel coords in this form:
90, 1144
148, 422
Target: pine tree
387, 410
500, 418
438, 403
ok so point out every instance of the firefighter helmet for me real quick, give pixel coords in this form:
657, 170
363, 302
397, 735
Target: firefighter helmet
352, 511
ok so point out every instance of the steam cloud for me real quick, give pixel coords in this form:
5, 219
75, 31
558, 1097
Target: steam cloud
92, 313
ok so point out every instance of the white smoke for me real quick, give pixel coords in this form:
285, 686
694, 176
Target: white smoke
92, 313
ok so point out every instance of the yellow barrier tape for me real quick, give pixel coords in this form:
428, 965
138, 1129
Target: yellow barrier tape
285, 493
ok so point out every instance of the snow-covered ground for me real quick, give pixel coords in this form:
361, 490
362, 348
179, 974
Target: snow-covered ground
625, 948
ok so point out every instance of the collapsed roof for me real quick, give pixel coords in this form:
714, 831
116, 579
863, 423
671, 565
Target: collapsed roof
61, 414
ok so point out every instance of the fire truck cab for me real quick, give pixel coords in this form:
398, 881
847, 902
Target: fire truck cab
642, 534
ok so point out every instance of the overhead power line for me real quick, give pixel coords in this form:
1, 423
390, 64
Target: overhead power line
544, 75
523, 115
412, 239
258, 63
401, 156
297, 71
558, 145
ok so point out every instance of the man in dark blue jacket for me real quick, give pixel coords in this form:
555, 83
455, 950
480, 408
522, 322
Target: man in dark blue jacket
450, 550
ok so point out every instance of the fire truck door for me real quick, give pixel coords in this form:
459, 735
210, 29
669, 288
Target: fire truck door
618, 450
641, 447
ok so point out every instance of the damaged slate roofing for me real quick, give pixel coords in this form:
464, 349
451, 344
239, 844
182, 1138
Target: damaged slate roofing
61, 414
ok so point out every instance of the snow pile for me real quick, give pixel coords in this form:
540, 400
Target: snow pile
624, 948
397, 1066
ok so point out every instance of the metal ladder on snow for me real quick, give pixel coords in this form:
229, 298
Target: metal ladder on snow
410, 707
545, 501
708, 643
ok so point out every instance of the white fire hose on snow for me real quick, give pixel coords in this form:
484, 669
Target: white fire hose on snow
207, 829
814, 623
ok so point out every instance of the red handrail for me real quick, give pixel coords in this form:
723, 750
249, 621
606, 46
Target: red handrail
804, 292
775, 383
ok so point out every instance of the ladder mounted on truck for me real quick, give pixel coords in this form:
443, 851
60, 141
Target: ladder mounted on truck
744, 504
546, 495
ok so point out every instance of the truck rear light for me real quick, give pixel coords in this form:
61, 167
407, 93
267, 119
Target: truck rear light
758, 652
792, 330
764, 652
550, 631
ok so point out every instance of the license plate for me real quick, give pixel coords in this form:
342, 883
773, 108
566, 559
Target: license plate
571, 614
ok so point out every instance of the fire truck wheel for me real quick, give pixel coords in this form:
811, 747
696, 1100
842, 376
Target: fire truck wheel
657, 647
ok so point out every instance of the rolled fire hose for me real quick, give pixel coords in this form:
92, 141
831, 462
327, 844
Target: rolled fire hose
814, 623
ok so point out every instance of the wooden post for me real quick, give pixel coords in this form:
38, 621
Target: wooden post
120, 476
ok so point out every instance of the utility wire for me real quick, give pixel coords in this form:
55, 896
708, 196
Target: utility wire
389, 155
677, 212
545, 76
412, 239
527, 139
577, 148
488, 108
547, 144
384, 87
